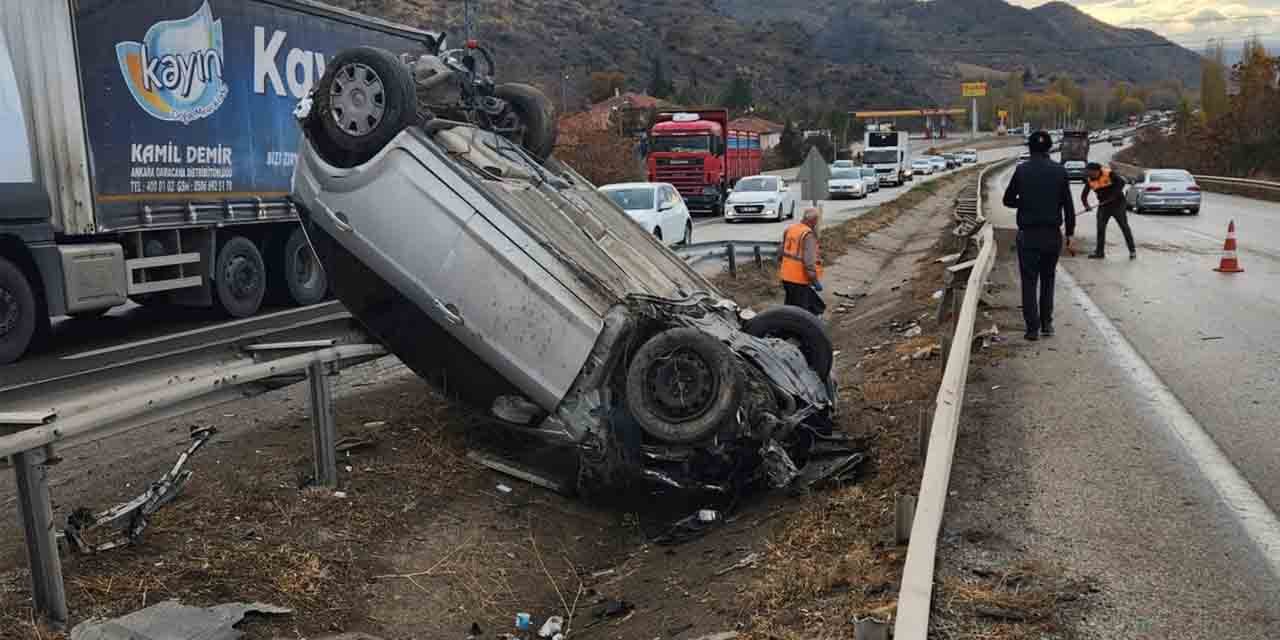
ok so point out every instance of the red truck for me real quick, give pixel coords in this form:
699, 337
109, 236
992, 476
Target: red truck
701, 156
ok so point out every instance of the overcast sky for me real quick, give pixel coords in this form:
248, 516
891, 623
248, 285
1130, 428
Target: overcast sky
1188, 22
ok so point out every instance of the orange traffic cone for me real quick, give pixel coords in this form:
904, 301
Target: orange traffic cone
1229, 263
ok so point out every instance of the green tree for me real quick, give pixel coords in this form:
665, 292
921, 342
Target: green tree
790, 145
1213, 83
824, 145
1015, 89
660, 86
738, 95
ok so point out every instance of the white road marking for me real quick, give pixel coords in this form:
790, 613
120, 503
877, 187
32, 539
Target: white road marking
193, 332
1250, 510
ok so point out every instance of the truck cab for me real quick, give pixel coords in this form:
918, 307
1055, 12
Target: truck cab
887, 152
699, 153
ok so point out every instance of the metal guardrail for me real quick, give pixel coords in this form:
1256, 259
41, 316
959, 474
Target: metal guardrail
916, 591
730, 252
1131, 170
93, 406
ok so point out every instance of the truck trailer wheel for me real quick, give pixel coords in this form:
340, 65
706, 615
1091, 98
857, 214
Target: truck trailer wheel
241, 278
537, 126
298, 273
18, 311
682, 385
364, 99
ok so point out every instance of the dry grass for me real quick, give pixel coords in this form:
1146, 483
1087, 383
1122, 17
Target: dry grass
1011, 603
244, 532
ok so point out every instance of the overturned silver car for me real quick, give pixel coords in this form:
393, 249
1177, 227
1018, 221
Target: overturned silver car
506, 280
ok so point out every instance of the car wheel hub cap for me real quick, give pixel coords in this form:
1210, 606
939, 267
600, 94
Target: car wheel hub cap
242, 278
9, 310
357, 99
681, 385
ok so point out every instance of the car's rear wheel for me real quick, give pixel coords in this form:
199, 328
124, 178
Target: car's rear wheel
364, 99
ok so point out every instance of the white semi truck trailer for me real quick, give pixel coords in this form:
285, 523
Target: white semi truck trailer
147, 148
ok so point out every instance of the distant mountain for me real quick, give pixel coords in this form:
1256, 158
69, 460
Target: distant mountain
802, 54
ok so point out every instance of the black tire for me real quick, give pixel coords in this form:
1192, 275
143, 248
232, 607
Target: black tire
537, 114
19, 312
800, 327
1195, 211
349, 125
657, 233
688, 234
297, 274
240, 278
673, 367
792, 215
780, 216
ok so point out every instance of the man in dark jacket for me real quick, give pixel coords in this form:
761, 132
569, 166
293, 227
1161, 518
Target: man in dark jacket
1110, 189
1041, 193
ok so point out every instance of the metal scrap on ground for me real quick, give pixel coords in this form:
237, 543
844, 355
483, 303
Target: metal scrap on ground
171, 620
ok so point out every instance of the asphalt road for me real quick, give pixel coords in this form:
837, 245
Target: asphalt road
833, 211
1197, 351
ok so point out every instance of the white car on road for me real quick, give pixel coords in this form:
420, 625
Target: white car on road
657, 207
760, 198
922, 167
846, 183
969, 156
871, 177
939, 163
1167, 190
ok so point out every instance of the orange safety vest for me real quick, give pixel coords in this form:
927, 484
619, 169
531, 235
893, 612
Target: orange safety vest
1103, 181
791, 263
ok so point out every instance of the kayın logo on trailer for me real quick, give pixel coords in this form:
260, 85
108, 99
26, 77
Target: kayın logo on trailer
176, 72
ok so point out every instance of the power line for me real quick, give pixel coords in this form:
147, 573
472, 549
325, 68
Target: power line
1065, 50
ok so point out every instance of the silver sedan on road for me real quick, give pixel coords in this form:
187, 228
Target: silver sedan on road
1169, 190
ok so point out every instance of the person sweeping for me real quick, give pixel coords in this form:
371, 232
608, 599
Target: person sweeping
1110, 189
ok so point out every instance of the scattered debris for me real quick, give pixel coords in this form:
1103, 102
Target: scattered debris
1212, 338
913, 332
132, 517
708, 515
937, 295
927, 351
690, 527
341, 495
988, 337
723, 635
850, 296
375, 424
523, 621
502, 488
615, 608
475, 632
750, 560
997, 387
351, 443
552, 627
171, 620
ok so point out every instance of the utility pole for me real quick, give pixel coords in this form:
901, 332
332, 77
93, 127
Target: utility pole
468, 29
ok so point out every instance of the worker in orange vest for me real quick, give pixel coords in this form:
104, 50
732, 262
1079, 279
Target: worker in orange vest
800, 265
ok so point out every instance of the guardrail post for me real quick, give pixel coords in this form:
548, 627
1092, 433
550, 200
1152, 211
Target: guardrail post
759, 258
36, 514
323, 425
904, 511
732, 255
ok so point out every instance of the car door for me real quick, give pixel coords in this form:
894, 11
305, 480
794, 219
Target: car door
669, 215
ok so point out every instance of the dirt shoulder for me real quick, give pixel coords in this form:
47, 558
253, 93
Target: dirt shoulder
423, 543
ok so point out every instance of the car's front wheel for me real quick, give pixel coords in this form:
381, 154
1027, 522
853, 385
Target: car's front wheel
682, 385
688, 233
